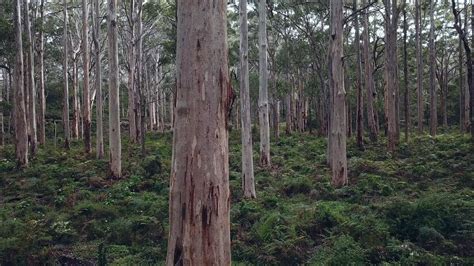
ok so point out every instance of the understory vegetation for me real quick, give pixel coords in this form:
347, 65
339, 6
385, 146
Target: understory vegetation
414, 207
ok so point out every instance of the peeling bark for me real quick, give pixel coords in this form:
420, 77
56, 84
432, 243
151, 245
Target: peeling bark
200, 196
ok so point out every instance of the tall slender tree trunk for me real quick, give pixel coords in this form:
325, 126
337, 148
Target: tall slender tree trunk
338, 118
2, 95
42, 96
461, 87
405, 73
358, 83
131, 77
86, 101
76, 112
139, 73
369, 79
98, 80
471, 87
67, 134
419, 63
30, 66
433, 94
248, 179
263, 108
391, 21
115, 145
200, 197
21, 128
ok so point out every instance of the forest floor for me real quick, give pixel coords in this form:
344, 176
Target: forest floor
415, 207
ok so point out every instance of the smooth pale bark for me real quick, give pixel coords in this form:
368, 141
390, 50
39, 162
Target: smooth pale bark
98, 81
263, 108
419, 63
368, 77
67, 134
21, 128
30, 66
405, 73
139, 106
131, 78
86, 99
115, 145
433, 93
391, 73
200, 196
42, 95
338, 118
358, 83
139, 92
76, 107
248, 179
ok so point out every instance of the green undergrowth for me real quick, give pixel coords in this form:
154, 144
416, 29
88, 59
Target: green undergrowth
415, 207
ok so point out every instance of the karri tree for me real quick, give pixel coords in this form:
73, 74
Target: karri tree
199, 195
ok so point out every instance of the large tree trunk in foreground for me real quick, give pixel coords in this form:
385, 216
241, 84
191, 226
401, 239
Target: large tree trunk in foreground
369, 79
338, 117
199, 197
263, 108
433, 94
98, 81
67, 134
86, 99
248, 180
115, 145
21, 128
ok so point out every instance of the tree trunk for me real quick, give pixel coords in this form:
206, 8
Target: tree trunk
200, 197
2, 95
131, 77
358, 83
98, 80
42, 96
30, 66
461, 87
76, 112
433, 94
67, 134
391, 21
86, 101
21, 128
263, 108
115, 144
248, 180
139, 72
338, 93
276, 119
369, 79
419, 63
405, 73
471, 87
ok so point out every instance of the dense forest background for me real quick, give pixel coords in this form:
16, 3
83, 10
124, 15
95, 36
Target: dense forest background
379, 170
